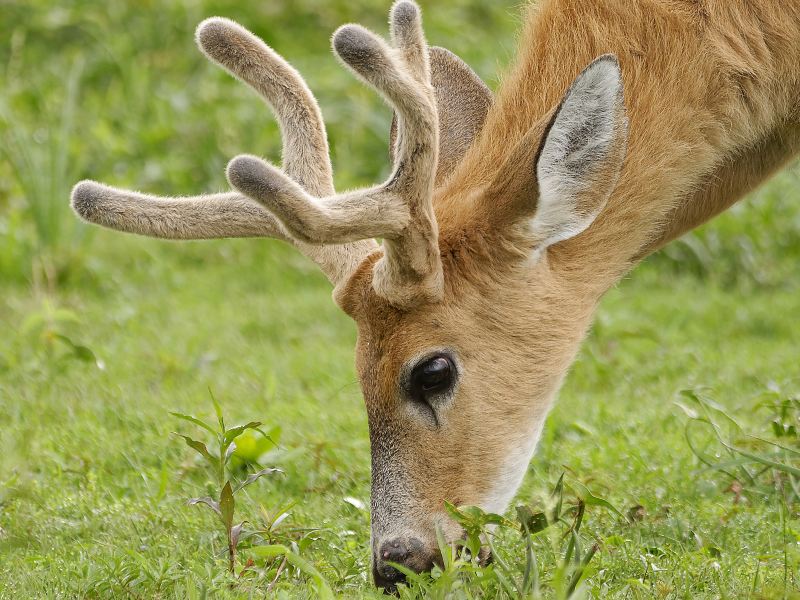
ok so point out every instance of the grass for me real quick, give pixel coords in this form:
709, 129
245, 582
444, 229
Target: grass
117, 332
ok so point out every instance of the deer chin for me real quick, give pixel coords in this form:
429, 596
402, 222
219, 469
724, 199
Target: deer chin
512, 472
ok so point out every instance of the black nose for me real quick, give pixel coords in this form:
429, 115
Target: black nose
408, 553
394, 551
386, 576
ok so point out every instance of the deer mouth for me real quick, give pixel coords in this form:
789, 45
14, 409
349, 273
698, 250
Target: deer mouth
388, 578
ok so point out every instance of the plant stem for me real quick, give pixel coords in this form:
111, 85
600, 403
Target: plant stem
221, 468
231, 555
277, 575
578, 573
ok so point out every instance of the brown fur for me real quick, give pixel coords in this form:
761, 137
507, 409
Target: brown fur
706, 81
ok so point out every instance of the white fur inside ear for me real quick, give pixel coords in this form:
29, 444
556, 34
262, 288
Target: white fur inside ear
580, 139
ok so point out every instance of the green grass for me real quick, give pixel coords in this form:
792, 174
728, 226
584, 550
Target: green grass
103, 335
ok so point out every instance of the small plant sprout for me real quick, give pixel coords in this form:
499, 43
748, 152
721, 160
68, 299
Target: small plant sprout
224, 505
761, 462
559, 573
53, 329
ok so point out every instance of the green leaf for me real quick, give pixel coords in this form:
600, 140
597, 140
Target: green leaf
687, 410
574, 546
82, 353
471, 519
580, 570
444, 549
229, 452
532, 522
511, 590
194, 420
473, 516
775, 444
273, 435
590, 499
162, 484
324, 591
530, 578
474, 521
789, 469
232, 434
227, 505
254, 477
253, 444
558, 497
236, 532
218, 410
412, 576
198, 447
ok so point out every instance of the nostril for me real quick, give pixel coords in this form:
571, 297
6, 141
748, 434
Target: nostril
394, 551
400, 553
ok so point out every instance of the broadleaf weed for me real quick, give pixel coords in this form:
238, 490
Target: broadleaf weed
223, 504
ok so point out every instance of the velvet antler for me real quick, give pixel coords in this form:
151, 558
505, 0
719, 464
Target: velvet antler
298, 203
399, 210
227, 215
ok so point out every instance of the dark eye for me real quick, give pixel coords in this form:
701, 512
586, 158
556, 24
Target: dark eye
432, 376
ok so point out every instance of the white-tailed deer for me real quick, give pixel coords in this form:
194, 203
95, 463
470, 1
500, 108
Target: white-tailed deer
504, 220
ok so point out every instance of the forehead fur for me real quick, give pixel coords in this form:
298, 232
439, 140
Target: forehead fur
474, 254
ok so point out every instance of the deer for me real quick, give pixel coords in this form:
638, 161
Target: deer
619, 126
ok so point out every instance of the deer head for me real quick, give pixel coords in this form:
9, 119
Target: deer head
467, 315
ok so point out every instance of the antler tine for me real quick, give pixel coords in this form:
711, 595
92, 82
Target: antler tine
400, 210
305, 151
306, 157
407, 35
210, 216
232, 214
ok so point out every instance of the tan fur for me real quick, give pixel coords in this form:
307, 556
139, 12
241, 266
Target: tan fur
706, 81
494, 266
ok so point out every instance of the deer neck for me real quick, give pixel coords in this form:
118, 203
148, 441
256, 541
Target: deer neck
716, 97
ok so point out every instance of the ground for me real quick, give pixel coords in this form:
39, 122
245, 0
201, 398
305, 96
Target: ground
104, 335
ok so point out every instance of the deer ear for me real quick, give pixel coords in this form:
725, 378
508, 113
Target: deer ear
463, 101
577, 159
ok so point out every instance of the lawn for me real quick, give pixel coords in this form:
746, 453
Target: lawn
104, 335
